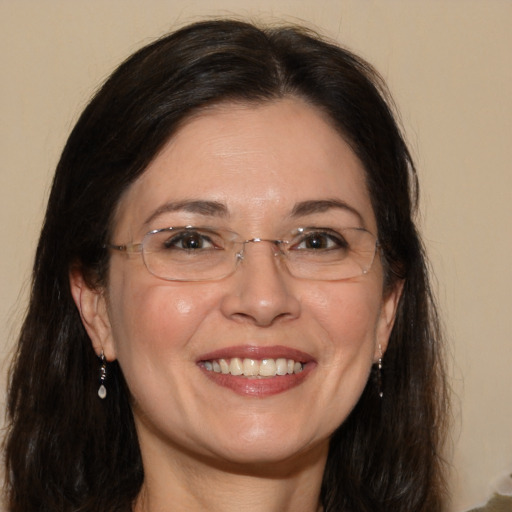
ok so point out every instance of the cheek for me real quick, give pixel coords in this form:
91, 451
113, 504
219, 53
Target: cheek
153, 320
348, 319
348, 314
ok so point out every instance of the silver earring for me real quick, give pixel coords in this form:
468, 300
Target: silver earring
379, 373
102, 391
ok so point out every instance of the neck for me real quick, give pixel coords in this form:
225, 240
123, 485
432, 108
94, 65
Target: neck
183, 484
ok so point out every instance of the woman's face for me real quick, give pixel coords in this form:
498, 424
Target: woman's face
260, 171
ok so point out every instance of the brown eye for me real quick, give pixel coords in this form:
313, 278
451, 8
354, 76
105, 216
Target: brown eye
189, 241
316, 242
321, 241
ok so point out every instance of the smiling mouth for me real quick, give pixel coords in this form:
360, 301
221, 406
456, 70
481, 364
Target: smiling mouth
253, 368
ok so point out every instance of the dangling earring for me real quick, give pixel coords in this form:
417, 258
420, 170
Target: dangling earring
102, 391
379, 373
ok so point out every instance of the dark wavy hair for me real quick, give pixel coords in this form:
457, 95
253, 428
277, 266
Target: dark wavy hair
67, 450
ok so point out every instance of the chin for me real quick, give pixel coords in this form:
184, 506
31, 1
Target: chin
270, 458
269, 443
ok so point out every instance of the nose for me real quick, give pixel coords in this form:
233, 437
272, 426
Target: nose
262, 290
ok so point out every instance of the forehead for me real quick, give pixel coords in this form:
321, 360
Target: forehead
258, 161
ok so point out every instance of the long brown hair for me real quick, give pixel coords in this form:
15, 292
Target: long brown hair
67, 450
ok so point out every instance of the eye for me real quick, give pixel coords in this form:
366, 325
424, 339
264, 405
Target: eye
192, 241
320, 240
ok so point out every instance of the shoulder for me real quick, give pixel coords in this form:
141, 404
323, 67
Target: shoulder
498, 503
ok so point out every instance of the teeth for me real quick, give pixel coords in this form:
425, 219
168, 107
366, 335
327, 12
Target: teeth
281, 366
235, 367
268, 368
224, 366
253, 367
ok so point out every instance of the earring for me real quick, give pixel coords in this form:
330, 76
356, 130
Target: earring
379, 373
102, 391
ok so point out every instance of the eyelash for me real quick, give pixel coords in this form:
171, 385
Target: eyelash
173, 241
331, 236
329, 239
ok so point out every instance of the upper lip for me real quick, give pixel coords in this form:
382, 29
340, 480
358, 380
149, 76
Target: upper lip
257, 352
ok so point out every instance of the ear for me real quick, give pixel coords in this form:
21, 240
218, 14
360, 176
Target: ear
92, 306
387, 319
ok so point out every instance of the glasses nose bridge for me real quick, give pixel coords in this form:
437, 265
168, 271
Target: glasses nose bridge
276, 244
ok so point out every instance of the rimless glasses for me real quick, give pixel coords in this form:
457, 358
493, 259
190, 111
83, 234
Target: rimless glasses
191, 253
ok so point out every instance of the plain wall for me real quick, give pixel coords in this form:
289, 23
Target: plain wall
449, 66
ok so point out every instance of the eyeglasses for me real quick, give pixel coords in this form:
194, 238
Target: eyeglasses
205, 253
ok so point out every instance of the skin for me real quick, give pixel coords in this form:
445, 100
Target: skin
204, 446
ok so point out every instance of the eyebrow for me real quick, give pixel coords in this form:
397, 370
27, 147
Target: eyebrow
209, 208
322, 205
216, 209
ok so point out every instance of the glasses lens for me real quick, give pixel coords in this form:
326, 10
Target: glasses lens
187, 254
331, 255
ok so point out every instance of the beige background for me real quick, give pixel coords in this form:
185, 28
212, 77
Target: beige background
449, 65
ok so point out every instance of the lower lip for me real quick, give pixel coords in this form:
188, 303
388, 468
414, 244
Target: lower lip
259, 387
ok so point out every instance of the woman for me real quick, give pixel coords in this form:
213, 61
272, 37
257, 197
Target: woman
230, 306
